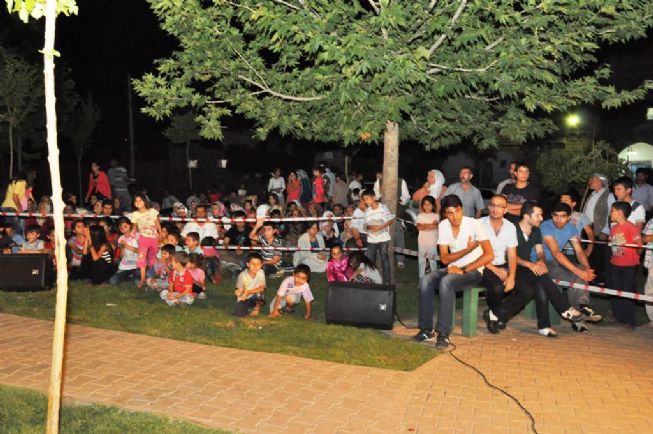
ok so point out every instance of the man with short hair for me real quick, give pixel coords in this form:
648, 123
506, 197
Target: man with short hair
107, 207
499, 275
643, 191
623, 189
203, 228
378, 219
532, 279
521, 190
469, 195
465, 248
596, 209
510, 180
556, 233
580, 222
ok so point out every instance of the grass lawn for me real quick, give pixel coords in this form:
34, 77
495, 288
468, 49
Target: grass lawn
210, 321
24, 411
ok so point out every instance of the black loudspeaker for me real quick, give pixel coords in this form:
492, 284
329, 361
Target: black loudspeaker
361, 305
28, 272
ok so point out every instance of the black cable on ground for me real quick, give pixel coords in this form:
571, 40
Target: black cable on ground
492, 386
400, 321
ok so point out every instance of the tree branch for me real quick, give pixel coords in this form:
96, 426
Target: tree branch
266, 89
443, 36
432, 4
438, 68
482, 98
287, 4
494, 44
376, 8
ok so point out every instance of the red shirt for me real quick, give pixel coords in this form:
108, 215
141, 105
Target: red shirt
180, 282
624, 233
318, 193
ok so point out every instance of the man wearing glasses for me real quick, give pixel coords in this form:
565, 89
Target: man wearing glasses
499, 275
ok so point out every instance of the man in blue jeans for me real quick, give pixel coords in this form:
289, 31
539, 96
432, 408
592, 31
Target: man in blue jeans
378, 220
465, 249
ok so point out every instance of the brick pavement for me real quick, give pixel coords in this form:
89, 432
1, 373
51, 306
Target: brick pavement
598, 383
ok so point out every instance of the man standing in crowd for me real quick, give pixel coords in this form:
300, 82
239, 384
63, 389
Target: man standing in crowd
499, 275
465, 249
277, 185
203, 228
643, 191
556, 233
596, 210
359, 235
469, 195
623, 189
341, 192
510, 180
521, 190
403, 198
119, 181
532, 279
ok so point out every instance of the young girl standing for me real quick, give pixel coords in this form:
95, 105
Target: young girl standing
427, 225
146, 222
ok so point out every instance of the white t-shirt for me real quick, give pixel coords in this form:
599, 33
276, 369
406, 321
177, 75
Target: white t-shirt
427, 238
355, 184
378, 216
507, 237
146, 222
371, 273
206, 229
277, 183
358, 220
247, 282
469, 229
288, 287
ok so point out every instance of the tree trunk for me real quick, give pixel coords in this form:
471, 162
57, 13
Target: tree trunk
132, 158
347, 167
3, 166
11, 149
19, 153
54, 398
190, 170
390, 178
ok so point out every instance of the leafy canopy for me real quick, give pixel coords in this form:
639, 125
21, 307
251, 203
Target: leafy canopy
336, 70
36, 8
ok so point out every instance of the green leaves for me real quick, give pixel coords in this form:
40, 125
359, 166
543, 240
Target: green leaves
329, 69
36, 8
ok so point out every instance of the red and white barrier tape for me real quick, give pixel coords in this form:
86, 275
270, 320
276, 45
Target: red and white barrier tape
289, 249
601, 290
415, 253
607, 243
180, 219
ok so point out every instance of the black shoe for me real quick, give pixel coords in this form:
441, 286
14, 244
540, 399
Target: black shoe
442, 343
590, 315
424, 334
492, 325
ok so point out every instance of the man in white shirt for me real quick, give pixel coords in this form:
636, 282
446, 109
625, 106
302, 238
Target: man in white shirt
378, 219
465, 248
402, 202
204, 229
499, 275
643, 191
597, 209
358, 224
277, 185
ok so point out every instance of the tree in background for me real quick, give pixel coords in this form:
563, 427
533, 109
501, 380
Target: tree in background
21, 94
183, 130
572, 169
78, 128
445, 72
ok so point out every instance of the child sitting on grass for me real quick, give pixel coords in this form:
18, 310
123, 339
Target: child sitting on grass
174, 238
199, 277
211, 260
193, 243
250, 287
162, 269
291, 291
180, 288
363, 270
338, 266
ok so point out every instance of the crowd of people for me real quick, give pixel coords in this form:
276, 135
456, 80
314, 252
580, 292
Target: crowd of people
512, 252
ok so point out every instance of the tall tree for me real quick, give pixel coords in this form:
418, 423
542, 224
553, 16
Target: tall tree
21, 94
50, 9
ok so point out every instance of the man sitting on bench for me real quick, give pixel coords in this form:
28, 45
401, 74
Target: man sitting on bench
465, 249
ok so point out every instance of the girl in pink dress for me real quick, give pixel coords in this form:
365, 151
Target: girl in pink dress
337, 267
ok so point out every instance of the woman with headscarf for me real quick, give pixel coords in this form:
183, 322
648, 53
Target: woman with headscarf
329, 230
311, 239
434, 186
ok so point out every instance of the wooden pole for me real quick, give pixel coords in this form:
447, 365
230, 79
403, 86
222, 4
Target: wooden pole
132, 158
54, 397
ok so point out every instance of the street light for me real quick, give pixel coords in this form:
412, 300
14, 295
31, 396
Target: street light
572, 120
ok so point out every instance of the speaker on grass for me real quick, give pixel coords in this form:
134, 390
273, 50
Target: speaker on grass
28, 272
361, 305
